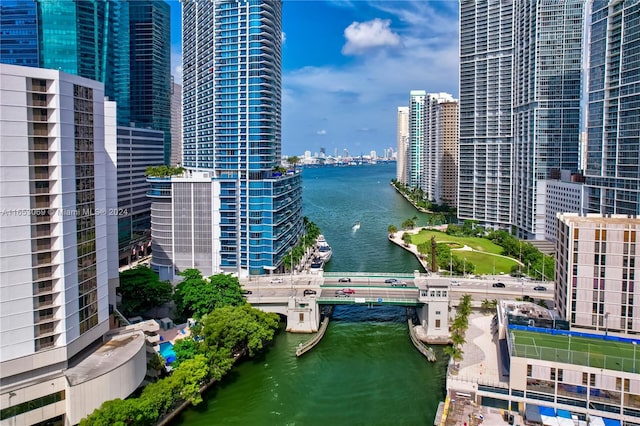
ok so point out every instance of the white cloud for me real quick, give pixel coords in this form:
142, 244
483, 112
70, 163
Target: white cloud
321, 132
362, 36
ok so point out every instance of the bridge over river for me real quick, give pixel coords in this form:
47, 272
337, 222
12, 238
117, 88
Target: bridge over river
299, 297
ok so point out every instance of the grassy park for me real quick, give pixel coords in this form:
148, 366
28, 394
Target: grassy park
484, 257
596, 353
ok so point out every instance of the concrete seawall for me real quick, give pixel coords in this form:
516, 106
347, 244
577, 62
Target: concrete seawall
311, 343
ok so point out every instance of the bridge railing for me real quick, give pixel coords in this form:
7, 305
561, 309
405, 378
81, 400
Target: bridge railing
308, 345
424, 349
369, 300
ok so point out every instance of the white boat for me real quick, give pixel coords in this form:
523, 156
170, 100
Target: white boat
356, 226
323, 249
325, 252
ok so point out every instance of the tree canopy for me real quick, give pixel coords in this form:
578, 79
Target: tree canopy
196, 296
141, 290
164, 171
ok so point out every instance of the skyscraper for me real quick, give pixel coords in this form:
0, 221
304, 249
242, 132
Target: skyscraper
19, 33
547, 77
150, 63
486, 61
402, 143
520, 87
416, 143
613, 151
176, 124
89, 39
247, 209
58, 225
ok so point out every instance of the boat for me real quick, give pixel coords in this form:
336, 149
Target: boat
356, 226
323, 249
325, 252
316, 265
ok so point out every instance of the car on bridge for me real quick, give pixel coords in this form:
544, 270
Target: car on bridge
340, 293
344, 280
245, 292
540, 288
399, 284
499, 285
308, 292
391, 280
348, 291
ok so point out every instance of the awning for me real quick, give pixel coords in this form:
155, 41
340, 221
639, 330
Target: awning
563, 413
611, 422
596, 421
563, 421
550, 421
532, 414
547, 411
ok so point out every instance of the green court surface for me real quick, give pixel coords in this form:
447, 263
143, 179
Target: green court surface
596, 353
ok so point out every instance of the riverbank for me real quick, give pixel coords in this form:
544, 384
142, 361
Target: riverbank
396, 238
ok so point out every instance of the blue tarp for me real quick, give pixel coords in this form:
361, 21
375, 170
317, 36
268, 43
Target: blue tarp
563, 413
547, 411
611, 422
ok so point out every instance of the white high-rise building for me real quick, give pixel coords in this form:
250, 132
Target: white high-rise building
176, 124
416, 143
520, 87
546, 92
59, 249
403, 144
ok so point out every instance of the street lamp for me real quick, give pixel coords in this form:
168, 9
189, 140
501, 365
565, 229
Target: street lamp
606, 323
634, 356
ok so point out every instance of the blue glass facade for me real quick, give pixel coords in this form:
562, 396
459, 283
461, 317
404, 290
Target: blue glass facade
232, 127
150, 58
19, 33
90, 39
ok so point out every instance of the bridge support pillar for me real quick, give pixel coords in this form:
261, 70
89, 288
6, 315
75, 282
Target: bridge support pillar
303, 315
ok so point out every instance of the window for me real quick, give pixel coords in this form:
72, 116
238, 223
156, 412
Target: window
301, 317
437, 323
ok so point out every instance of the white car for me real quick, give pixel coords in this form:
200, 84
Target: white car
277, 281
455, 282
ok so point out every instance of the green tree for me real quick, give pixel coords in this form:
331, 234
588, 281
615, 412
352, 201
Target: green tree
190, 377
141, 290
455, 352
392, 229
185, 349
164, 171
196, 296
406, 238
293, 160
409, 224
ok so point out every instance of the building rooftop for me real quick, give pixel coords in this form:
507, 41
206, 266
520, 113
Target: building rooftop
111, 354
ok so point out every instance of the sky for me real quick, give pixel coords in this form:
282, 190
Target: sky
348, 65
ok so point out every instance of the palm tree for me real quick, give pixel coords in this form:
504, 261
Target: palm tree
486, 305
392, 229
455, 353
458, 339
406, 238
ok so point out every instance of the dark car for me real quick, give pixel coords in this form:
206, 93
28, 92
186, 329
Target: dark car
344, 280
391, 280
309, 291
499, 285
540, 288
399, 284
247, 292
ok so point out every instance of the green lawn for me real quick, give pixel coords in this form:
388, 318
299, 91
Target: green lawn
584, 351
484, 261
480, 244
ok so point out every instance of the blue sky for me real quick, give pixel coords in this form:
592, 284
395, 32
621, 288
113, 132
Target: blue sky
348, 65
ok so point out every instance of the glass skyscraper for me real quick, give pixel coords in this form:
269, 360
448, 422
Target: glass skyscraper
520, 92
150, 63
19, 33
90, 39
613, 125
246, 210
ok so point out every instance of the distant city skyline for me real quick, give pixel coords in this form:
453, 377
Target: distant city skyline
343, 93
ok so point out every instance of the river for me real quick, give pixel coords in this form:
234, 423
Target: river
365, 371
